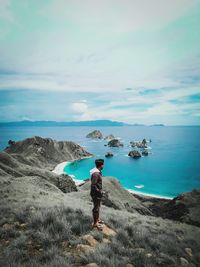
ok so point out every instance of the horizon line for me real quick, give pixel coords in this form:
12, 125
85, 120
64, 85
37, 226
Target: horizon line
128, 124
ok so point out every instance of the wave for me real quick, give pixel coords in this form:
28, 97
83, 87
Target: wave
139, 186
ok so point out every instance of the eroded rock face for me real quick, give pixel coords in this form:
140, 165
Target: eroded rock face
134, 154
115, 143
95, 135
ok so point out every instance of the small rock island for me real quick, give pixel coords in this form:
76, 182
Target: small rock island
96, 134
115, 143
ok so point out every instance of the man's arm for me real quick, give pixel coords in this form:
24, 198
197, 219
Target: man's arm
94, 181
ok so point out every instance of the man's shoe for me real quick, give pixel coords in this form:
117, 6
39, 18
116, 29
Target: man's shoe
97, 226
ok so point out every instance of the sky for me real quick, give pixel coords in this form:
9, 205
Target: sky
135, 61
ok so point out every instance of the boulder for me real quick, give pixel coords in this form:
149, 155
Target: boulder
134, 154
95, 135
109, 154
107, 231
90, 240
66, 183
115, 143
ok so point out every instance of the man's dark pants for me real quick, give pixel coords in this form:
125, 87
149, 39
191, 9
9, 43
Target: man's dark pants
96, 208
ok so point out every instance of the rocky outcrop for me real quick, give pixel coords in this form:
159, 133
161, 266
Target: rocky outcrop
45, 152
134, 154
66, 184
109, 137
95, 135
115, 143
184, 208
139, 144
108, 155
27, 164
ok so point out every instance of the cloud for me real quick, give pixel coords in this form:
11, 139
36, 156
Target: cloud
79, 107
81, 111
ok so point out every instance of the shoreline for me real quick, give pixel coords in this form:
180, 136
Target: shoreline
132, 191
59, 169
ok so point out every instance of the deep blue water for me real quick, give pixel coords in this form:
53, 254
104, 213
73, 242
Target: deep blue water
172, 167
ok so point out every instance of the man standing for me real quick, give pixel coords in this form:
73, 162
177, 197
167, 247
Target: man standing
96, 191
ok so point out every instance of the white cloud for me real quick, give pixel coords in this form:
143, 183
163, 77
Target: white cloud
79, 107
81, 111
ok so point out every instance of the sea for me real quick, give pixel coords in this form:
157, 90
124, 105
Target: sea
171, 168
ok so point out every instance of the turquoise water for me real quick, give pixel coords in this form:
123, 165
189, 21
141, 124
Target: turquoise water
172, 167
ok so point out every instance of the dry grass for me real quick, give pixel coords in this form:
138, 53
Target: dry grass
35, 236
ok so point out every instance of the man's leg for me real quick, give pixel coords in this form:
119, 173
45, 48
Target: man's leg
95, 211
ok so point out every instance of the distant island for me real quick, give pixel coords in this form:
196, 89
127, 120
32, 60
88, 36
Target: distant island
70, 123
160, 124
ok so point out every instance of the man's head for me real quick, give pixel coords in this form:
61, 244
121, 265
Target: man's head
99, 163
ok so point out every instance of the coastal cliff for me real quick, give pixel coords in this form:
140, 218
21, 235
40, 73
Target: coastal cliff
46, 219
45, 152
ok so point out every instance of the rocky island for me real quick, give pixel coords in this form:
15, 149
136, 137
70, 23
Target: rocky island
109, 137
96, 134
114, 143
45, 219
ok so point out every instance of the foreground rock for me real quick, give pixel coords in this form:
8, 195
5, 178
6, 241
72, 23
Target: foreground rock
115, 143
95, 135
134, 154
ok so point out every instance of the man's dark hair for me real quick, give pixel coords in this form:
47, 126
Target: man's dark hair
99, 162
